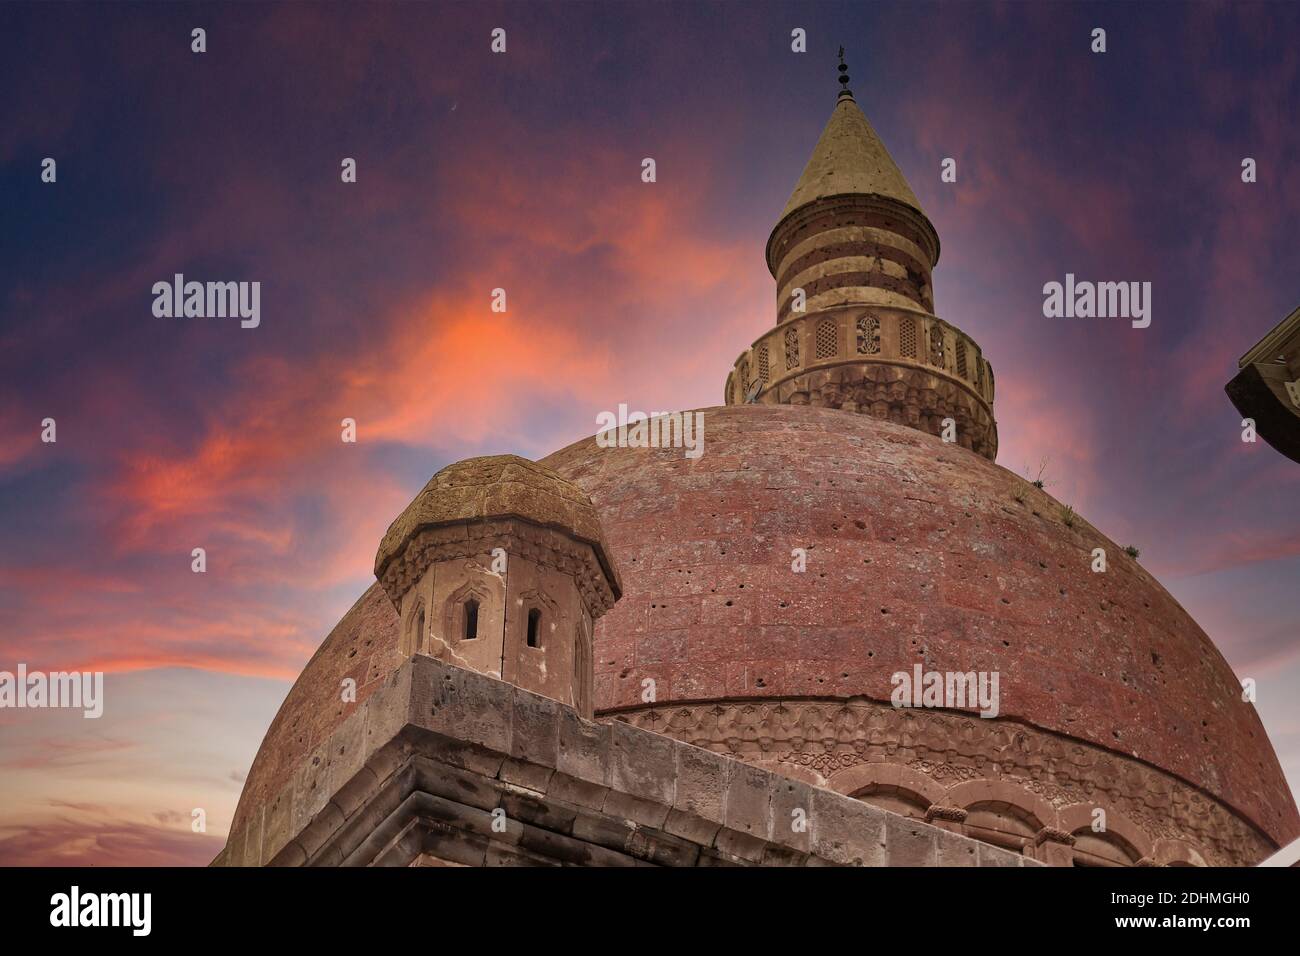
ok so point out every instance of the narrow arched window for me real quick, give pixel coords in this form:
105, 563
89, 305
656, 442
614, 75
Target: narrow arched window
418, 642
471, 619
534, 628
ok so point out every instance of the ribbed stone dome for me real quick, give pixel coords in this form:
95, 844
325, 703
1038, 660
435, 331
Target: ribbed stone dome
918, 552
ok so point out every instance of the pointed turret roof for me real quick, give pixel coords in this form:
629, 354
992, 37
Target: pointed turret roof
850, 158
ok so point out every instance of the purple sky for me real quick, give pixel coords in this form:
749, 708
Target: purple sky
522, 171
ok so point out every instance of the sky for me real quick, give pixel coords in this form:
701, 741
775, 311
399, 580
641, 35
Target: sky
522, 171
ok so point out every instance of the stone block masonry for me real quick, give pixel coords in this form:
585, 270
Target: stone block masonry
445, 766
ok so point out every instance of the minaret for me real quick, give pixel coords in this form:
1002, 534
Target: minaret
855, 325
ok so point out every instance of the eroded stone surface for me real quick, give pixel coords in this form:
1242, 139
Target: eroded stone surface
918, 552
471, 777
495, 486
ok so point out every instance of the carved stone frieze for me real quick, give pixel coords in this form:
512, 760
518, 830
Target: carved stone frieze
904, 395
544, 546
825, 737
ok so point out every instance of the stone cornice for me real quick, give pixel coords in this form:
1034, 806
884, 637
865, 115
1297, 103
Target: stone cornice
1282, 338
1259, 391
517, 536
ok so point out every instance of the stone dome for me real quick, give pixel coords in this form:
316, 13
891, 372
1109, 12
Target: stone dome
918, 552
827, 542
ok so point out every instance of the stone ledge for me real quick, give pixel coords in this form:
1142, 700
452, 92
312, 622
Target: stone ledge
446, 764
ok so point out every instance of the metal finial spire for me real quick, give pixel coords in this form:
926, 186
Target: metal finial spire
844, 77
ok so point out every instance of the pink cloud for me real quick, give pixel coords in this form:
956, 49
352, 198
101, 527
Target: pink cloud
68, 842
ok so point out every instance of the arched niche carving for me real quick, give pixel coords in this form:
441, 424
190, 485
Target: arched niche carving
454, 610
889, 786
1001, 813
1121, 835
1033, 807
415, 628
1170, 851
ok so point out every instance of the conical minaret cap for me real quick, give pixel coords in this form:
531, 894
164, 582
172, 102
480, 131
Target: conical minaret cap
850, 158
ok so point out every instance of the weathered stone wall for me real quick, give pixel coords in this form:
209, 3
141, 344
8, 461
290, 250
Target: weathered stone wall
542, 572
418, 774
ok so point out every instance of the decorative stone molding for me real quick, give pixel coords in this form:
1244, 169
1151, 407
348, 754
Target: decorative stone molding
1169, 852
853, 780
994, 790
1078, 820
415, 775
1025, 766
1267, 386
544, 546
891, 364
477, 498
952, 814
1053, 835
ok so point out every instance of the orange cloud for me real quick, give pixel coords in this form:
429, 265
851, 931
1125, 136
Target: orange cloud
435, 370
